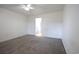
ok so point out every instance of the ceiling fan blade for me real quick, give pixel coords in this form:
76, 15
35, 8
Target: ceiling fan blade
28, 5
31, 7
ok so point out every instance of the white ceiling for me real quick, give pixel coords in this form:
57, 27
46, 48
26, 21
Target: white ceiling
38, 8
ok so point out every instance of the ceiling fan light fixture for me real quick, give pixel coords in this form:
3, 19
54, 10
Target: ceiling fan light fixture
31, 7
28, 7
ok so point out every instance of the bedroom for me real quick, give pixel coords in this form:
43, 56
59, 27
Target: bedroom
38, 28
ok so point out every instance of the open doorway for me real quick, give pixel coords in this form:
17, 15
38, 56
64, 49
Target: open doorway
38, 22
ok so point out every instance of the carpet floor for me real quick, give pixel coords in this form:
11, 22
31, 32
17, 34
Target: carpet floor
30, 44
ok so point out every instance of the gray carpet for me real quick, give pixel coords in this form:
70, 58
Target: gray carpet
30, 44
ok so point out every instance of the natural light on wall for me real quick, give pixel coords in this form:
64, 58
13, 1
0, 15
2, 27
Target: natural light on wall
38, 22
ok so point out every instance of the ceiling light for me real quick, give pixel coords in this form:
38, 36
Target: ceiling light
28, 7
31, 7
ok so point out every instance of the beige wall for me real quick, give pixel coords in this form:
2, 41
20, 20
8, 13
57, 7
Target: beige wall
71, 28
12, 24
51, 24
31, 24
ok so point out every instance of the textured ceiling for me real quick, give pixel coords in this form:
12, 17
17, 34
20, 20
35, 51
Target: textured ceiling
38, 8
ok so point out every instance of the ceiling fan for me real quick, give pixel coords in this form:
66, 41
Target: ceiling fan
27, 7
